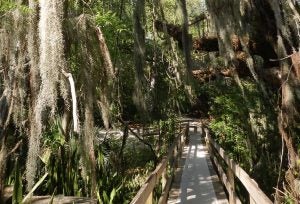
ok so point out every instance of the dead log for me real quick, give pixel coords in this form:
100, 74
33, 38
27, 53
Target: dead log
210, 44
198, 19
271, 75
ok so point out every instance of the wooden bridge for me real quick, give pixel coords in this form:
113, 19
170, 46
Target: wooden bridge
197, 170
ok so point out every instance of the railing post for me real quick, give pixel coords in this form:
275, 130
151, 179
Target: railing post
186, 133
231, 191
138, 130
175, 157
150, 198
178, 149
205, 131
182, 138
179, 126
164, 178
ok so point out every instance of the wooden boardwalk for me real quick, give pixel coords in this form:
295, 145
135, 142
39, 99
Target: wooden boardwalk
192, 178
195, 180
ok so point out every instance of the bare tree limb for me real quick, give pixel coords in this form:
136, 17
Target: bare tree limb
140, 139
281, 59
74, 100
15, 148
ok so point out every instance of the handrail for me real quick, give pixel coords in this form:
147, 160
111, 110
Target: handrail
145, 194
255, 193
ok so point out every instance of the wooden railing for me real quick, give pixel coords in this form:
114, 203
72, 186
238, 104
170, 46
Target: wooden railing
145, 194
256, 195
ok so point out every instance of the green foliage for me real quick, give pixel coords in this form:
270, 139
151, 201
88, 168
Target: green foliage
106, 199
168, 129
245, 126
61, 161
120, 181
237, 119
117, 32
7, 5
103, 197
61, 168
110, 22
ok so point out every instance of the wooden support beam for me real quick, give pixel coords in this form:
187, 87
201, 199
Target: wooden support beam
231, 189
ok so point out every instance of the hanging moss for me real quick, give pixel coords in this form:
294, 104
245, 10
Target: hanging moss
50, 66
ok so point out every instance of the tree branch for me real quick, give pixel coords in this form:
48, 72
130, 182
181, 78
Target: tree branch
140, 139
281, 59
15, 148
74, 100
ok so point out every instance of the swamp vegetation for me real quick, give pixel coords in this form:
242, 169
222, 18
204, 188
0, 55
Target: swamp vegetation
78, 78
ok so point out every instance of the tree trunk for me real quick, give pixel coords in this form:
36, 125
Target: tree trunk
52, 61
139, 97
6, 104
3, 158
107, 87
274, 37
88, 139
186, 39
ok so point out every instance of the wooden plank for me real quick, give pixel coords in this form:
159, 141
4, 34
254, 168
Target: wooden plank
150, 134
61, 200
224, 179
255, 192
164, 178
164, 196
145, 191
186, 134
150, 199
160, 168
251, 199
231, 190
185, 120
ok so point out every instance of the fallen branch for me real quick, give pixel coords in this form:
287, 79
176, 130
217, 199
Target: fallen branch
281, 59
140, 139
15, 148
74, 100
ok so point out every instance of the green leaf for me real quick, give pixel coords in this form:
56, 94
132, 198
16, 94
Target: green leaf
34, 188
17, 192
105, 197
99, 198
112, 195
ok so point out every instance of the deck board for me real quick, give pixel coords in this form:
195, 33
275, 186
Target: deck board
195, 180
